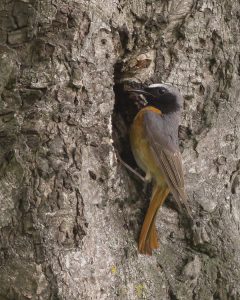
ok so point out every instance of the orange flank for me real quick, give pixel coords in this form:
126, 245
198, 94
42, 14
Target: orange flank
146, 160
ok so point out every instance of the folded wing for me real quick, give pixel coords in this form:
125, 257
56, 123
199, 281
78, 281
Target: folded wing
162, 134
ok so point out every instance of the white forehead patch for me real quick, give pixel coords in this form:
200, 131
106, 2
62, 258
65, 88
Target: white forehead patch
155, 85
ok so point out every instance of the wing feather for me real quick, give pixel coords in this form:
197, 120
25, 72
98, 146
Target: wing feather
162, 136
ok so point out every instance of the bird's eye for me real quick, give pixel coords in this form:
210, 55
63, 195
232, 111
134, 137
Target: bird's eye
161, 90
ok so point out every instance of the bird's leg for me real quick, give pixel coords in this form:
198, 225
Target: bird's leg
148, 177
147, 180
144, 179
185, 212
188, 213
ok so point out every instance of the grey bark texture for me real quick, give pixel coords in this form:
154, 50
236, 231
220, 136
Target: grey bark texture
70, 213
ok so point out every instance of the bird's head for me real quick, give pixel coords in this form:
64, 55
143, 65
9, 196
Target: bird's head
165, 97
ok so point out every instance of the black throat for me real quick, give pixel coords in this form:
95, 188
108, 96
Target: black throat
167, 103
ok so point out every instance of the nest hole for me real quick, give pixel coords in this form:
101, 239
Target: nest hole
125, 109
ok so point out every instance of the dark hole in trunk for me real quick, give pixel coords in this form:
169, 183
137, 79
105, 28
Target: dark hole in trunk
125, 109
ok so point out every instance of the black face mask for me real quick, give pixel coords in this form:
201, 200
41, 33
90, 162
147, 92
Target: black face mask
162, 99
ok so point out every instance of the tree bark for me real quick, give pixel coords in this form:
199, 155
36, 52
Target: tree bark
70, 213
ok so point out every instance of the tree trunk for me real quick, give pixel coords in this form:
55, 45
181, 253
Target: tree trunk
70, 213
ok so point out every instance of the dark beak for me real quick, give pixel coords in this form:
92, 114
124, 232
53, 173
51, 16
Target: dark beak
142, 92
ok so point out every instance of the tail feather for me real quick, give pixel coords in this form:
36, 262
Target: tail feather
154, 244
148, 237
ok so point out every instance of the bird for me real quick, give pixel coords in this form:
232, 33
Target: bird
155, 147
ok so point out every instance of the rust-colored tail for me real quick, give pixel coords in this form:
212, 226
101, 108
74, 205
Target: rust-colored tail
148, 237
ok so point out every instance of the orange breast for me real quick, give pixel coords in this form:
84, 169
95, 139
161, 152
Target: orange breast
141, 148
